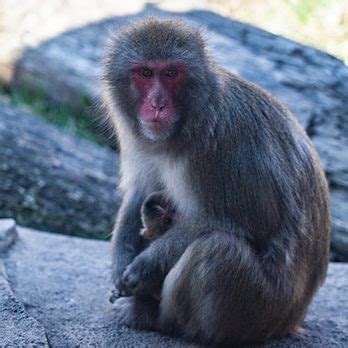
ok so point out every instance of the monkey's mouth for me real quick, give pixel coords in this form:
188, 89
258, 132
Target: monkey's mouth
157, 126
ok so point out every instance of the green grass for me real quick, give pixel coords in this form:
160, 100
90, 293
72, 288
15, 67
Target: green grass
81, 123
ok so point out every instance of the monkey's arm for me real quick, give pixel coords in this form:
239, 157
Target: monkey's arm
126, 241
146, 273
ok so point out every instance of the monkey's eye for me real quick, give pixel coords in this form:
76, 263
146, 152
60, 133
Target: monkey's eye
172, 72
146, 72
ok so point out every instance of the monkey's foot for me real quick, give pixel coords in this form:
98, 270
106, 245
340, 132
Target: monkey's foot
137, 313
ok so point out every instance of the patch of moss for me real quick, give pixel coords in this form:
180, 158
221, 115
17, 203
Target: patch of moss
81, 123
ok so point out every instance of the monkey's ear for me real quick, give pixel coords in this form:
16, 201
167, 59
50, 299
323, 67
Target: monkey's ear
159, 209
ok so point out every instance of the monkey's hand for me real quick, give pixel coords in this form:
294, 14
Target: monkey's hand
143, 277
118, 269
126, 241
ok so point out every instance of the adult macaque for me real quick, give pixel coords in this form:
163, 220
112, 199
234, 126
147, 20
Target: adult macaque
158, 216
251, 245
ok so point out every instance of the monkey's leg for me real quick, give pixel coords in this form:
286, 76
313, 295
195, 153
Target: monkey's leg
145, 275
222, 292
126, 241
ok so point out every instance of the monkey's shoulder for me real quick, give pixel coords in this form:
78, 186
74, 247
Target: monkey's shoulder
253, 114
248, 98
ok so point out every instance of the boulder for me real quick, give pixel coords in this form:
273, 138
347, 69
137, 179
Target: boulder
51, 180
57, 49
55, 293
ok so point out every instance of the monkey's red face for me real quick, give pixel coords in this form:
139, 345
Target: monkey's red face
158, 83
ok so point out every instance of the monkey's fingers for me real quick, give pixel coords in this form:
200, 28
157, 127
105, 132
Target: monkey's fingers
130, 279
115, 294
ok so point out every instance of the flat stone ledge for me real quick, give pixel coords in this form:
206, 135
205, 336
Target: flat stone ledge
63, 283
17, 327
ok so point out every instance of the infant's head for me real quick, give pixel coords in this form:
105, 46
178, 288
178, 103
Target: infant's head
157, 214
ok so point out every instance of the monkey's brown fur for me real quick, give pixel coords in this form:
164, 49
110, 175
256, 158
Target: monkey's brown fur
251, 246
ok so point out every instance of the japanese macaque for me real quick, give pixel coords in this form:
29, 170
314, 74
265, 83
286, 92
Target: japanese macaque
158, 216
251, 246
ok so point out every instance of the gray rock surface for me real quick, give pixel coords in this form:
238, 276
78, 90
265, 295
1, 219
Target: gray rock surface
8, 233
17, 327
52, 180
57, 294
57, 49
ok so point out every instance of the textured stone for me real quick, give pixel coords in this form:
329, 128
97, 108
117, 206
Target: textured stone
8, 233
52, 180
63, 282
17, 327
57, 49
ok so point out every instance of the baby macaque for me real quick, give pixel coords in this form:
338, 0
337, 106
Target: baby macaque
157, 215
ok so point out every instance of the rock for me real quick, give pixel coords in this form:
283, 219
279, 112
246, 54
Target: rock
8, 233
64, 62
52, 180
66, 66
63, 283
339, 240
17, 327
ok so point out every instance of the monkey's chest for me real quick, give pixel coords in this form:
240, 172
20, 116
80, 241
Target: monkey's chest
174, 178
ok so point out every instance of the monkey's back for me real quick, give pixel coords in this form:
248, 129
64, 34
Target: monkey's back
267, 175
275, 221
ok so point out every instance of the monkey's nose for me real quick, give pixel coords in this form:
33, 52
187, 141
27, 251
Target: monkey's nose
158, 104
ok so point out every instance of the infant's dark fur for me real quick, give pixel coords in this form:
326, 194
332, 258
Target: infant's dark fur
157, 214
